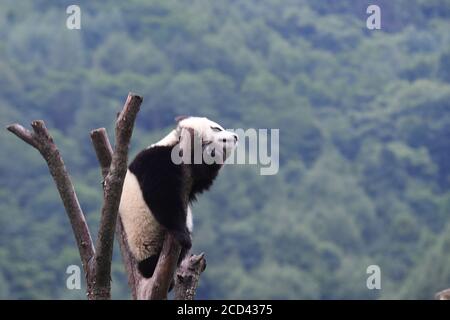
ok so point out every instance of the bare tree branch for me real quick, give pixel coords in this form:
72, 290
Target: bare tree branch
103, 149
112, 193
24, 134
165, 269
443, 295
42, 141
156, 288
104, 153
97, 270
188, 275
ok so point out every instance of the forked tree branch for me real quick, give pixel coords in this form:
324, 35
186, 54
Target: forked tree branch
96, 261
112, 193
104, 153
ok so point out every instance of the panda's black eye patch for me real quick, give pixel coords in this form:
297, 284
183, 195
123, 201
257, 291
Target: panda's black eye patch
216, 129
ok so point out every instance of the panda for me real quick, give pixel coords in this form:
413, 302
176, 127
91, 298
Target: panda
157, 191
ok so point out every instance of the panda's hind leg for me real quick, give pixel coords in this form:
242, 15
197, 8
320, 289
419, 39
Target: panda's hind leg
147, 266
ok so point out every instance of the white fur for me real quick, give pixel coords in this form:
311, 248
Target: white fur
170, 140
203, 126
144, 233
220, 140
189, 220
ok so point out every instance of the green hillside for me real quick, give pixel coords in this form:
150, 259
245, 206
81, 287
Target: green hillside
364, 119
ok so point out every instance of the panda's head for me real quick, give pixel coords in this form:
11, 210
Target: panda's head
216, 142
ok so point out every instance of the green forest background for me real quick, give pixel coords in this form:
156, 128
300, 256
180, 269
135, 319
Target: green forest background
364, 119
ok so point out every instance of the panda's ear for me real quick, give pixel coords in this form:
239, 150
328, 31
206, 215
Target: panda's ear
179, 118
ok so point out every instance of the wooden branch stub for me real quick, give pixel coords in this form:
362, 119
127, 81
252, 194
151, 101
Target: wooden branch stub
443, 295
188, 275
103, 149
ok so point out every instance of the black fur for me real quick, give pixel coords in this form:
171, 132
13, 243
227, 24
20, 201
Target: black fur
204, 176
147, 267
168, 188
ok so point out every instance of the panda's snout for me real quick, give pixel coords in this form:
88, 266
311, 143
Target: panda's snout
235, 137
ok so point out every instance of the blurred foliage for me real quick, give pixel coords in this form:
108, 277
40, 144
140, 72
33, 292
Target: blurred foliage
364, 119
